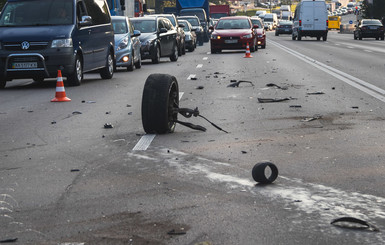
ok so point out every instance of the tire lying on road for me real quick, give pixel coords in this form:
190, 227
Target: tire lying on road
160, 102
259, 172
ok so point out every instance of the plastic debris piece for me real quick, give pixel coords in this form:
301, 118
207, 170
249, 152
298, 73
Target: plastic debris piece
295, 106
9, 240
76, 113
309, 119
53, 122
354, 223
354, 107
315, 93
200, 87
270, 100
108, 125
194, 78
75, 170
236, 84
174, 232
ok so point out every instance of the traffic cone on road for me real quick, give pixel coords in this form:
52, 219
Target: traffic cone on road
60, 95
247, 55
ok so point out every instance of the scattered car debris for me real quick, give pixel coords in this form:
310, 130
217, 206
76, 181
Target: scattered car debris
275, 85
179, 232
270, 100
76, 113
75, 170
295, 106
128, 105
89, 102
9, 240
200, 87
236, 83
108, 112
309, 119
218, 72
130, 113
355, 107
108, 125
354, 223
244, 152
315, 93
194, 78
259, 174
53, 122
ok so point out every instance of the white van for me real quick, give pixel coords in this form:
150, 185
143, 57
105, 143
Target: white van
271, 20
310, 19
260, 12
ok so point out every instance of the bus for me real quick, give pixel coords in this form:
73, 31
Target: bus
334, 22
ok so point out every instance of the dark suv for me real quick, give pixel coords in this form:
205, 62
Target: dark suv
197, 27
181, 37
38, 38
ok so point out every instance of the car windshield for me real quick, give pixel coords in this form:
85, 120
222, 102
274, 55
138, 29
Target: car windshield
268, 19
171, 19
37, 13
120, 26
371, 22
192, 12
256, 22
233, 24
193, 21
144, 26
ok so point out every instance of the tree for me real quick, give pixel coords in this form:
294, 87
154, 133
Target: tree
373, 11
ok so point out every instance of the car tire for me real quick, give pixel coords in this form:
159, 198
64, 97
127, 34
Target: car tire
130, 67
108, 71
377, 38
382, 38
354, 36
184, 48
299, 37
156, 58
76, 77
292, 37
160, 101
174, 56
276, 33
324, 38
3, 82
138, 64
318, 38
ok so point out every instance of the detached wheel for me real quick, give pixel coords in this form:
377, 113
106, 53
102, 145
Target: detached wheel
159, 103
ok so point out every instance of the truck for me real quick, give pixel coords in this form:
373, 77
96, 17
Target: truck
199, 8
129, 8
218, 11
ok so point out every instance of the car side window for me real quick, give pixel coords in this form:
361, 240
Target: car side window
168, 24
160, 24
80, 10
98, 11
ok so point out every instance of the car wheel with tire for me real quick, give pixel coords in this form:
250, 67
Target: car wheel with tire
108, 71
3, 82
130, 67
299, 37
76, 77
160, 102
138, 64
156, 57
174, 56
293, 37
324, 38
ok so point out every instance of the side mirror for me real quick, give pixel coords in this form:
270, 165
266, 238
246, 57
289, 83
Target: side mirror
162, 30
86, 21
181, 25
136, 33
211, 28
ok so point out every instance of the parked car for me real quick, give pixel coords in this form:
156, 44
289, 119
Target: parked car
181, 35
158, 38
127, 43
369, 28
191, 36
284, 27
235, 32
196, 24
36, 41
260, 31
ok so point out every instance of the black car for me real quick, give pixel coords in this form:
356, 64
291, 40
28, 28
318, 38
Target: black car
284, 27
181, 35
369, 28
197, 27
158, 38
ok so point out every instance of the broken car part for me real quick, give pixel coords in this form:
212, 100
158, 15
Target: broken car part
259, 172
160, 106
354, 223
234, 83
269, 100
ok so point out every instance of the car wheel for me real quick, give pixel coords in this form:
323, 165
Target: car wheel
156, 58
292, 37
324, 38
382, 38
108, 71
318, 38
160, 102
138, 64
354, 36
299, 37
276, 33
76, 77
38, 79
3, 82
360, 38
377, 38
130, 67
184, 48
174, 56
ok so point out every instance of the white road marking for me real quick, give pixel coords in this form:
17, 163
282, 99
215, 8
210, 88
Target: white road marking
191, 76
205, 58
365, 87
199, 66
369, 51
145, 140
360, 46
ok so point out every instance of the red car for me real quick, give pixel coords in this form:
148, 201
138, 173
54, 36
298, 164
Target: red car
261, 34
233, 32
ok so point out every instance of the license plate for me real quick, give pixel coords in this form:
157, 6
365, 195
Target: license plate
373, 27
308, 25
231, 41
287, 30
24, 65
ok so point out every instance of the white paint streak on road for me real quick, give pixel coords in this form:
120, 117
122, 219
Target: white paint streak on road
199, 66
191, 76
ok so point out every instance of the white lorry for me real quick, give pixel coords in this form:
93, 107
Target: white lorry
310, 19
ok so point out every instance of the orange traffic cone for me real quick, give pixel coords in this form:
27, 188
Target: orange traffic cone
60, 95
247, 55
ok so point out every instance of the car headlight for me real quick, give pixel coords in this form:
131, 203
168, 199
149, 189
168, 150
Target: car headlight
123, 44
215, 37
247, 36
62, 43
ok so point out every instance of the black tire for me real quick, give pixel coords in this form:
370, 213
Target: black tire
156, 58
108, 71
184, 48
159, 103
318, 38
263, 46
138, 64
76, 77
276, 33
324, 38
359, 37
3, 82
259, 174
174, 56
292, 37
299, 37
377, 38
354, 36
130, 67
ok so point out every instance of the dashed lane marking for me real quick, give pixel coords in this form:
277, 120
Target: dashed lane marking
199, 66
191, 76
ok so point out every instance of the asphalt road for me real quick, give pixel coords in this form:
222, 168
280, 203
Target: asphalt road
65, 179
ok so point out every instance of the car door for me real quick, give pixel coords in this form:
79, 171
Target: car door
171, 36
134, 40
163, 37
83, 37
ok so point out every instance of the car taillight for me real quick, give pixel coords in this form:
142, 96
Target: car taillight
300, 22
327, 22
381, 28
